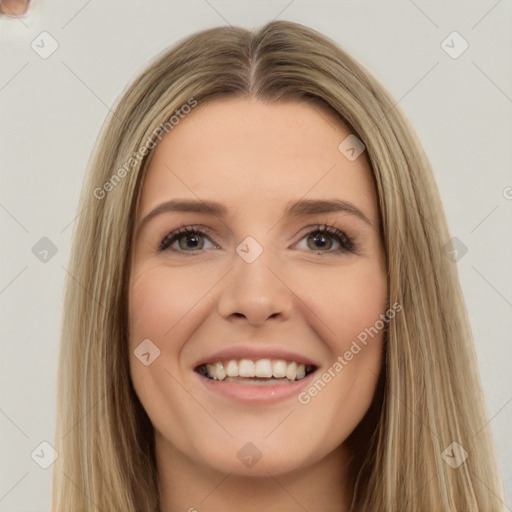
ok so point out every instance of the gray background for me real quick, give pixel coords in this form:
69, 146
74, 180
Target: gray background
51, 111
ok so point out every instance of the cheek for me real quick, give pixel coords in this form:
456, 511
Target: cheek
156, 304
160, 309
349, 302
159, 300
351, 306
363, 301
165, 306
151, 308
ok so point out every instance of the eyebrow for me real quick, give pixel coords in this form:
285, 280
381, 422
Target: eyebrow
300, 208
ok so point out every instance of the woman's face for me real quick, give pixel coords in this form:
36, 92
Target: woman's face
256, 290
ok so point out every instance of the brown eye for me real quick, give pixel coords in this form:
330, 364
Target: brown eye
322, 238
189, 240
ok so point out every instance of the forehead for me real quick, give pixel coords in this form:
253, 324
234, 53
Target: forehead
246, 152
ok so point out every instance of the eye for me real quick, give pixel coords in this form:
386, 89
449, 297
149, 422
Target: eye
320, 239
189, 238
323, 236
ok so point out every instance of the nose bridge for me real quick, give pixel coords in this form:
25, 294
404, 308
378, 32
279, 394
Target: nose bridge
256, 287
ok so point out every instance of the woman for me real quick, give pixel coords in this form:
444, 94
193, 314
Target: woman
263, 313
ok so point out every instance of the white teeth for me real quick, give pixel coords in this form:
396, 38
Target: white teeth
210, 368
279, 369
232, 369
220, 371
291, 371
246, 368
261, 369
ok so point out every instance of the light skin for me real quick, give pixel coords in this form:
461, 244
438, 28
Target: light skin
306, 292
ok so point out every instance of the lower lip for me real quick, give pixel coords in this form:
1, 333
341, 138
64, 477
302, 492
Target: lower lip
254, 393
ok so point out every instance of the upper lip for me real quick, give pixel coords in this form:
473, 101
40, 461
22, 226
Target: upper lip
255, 352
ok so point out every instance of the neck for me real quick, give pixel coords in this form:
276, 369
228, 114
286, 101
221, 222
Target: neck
185, 486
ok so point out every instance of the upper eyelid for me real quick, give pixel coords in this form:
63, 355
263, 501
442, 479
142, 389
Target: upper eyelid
208, 233
203, 230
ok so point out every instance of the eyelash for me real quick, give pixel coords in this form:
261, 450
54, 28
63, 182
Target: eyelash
344, 241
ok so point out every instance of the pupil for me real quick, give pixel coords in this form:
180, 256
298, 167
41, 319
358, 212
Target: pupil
192, 241
320, 240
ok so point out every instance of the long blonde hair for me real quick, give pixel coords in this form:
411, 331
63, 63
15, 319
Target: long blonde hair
431, 394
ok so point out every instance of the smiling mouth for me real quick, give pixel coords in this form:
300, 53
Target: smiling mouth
258, 372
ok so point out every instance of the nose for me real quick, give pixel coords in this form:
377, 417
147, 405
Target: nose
256, 292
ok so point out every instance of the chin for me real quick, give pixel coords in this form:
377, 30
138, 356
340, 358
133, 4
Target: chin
259, 457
